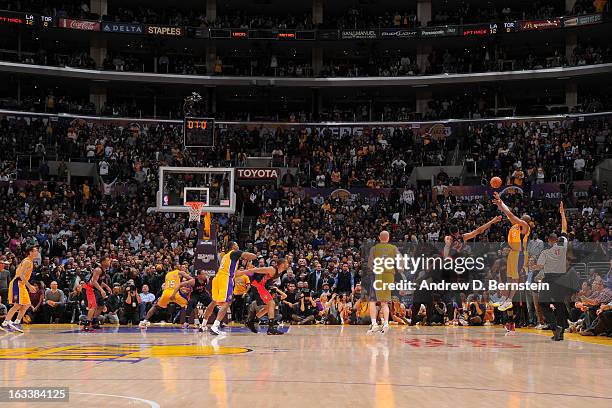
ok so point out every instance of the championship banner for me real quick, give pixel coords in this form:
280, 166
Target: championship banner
359, 34
124, 28
170, 31
79, 24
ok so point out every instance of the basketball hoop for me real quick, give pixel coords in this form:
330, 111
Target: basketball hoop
195, 210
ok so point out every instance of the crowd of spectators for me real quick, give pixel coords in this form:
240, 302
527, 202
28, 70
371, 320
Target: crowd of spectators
463, 12
488, 58
77, 223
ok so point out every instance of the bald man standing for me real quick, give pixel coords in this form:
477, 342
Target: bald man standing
380, 277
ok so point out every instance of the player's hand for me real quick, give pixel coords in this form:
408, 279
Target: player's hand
497, 200
32, 289
497, 219
103, 293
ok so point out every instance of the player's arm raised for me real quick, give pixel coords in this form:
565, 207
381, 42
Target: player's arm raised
563, 220
504, 208
481, 229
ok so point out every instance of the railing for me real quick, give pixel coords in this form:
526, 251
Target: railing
208, 80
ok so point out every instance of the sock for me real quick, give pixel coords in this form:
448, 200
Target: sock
216, 324
18, 321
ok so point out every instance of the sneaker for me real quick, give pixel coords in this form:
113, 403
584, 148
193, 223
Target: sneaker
144, 324
215, 330
251, 326
374, 328
202, 328
385, 328
5, 327
273, 331
540, 327
15, 326
185, 325
499, 302
505, 306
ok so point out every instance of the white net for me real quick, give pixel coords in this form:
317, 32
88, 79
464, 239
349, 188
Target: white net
195, 210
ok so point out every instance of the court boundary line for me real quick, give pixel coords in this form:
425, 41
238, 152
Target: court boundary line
151, 404
448, 387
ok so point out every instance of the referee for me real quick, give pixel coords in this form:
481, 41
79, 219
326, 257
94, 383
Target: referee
552, 264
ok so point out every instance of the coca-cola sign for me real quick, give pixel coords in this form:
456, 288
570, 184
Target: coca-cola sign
79, 24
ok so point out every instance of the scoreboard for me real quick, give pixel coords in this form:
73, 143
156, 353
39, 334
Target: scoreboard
199, 132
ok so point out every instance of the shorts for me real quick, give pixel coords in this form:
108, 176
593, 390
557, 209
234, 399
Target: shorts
260, 293
94, 297
517, 264
222, 288
180, 299
18, 293
383, 293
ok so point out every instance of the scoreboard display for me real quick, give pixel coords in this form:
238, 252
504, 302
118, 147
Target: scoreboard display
199, 132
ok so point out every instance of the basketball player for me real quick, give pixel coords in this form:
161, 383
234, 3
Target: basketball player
18, 291
552, 264
517, 257
174, 291
96, 290
199, 298
260, 295
223, 285
455, 240
383, 295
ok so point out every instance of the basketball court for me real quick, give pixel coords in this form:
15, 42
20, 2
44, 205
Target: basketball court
166, 366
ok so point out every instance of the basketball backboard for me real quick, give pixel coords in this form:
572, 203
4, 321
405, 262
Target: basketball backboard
213, 186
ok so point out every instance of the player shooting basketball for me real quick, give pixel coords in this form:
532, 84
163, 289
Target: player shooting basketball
517, 257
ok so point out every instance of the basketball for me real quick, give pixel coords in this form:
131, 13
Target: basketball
496, 182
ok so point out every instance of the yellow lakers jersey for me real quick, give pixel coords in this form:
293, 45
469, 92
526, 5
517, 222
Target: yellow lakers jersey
229, 262
27, 266
173, 279
516, 240
381, 250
